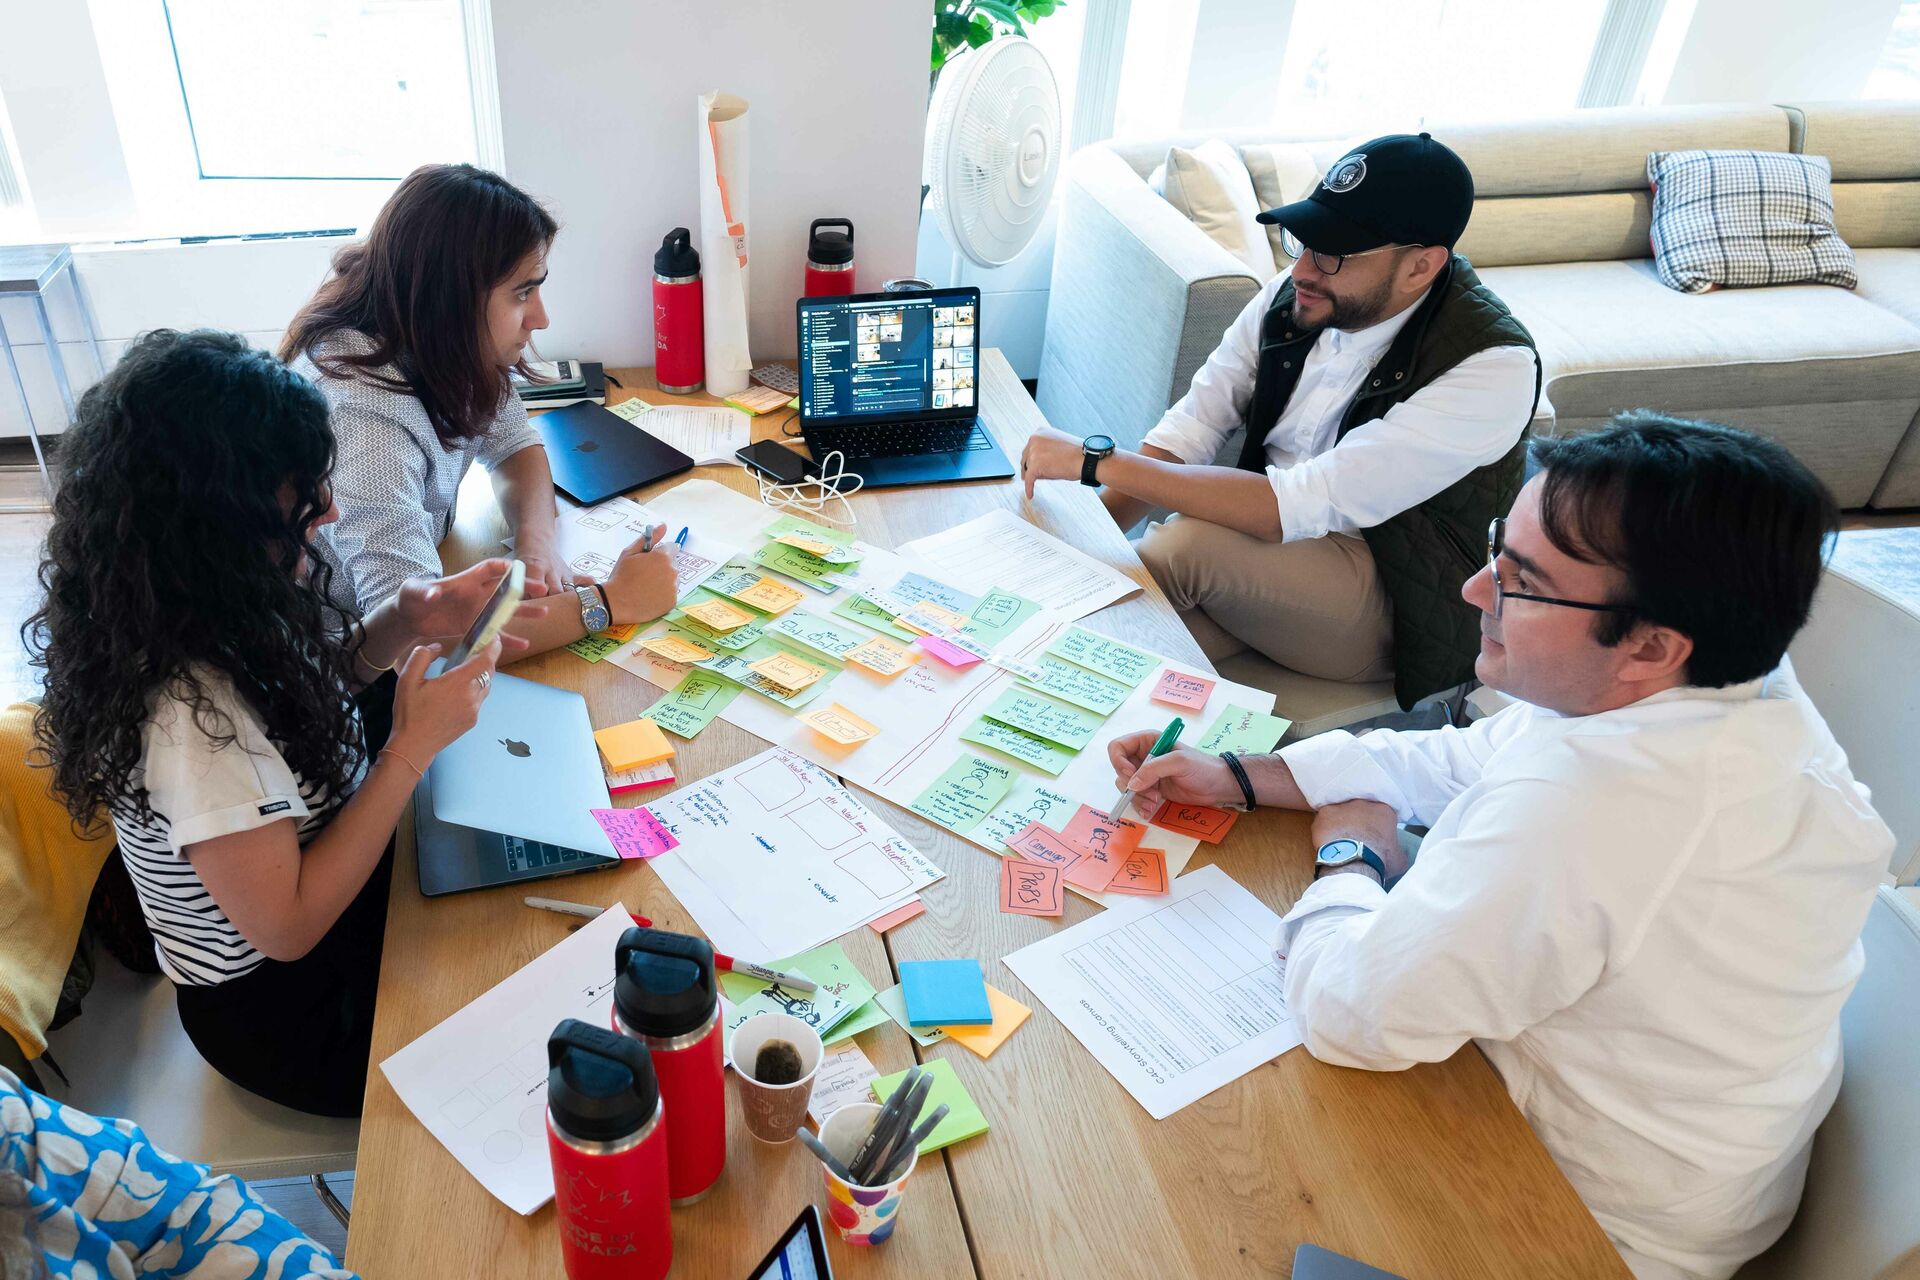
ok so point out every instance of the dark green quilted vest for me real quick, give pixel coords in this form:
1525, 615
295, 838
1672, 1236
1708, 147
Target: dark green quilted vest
1426, 553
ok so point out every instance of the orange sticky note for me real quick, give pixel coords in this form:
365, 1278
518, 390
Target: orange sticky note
769, 596
882, 656
1097, 835
718, 615
622, 633
1030, 888
838, 723
1008, 1014
674, 649
898, 916
633, 745
1143, 872
1178, 689
1197, 820
1039, 844
787, 671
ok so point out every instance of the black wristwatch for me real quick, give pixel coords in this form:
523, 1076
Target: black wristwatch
1092, 450
1338, 853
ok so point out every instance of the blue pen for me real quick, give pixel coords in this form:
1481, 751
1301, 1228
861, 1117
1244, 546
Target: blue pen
681, 541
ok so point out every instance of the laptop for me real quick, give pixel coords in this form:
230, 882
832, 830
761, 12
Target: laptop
595, 454
510, 799
800, 1254
891, 380
1311, 1262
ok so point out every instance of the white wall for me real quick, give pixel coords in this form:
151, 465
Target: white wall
1779, 50
597, 105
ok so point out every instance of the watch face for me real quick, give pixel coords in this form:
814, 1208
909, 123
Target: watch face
1336, 853
1098, 444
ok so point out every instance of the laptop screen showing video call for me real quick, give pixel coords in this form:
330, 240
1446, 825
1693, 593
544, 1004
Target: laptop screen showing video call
890, 357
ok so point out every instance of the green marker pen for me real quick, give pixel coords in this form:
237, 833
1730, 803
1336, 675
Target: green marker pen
1162, 745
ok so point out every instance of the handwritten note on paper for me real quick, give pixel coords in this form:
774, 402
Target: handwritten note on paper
839, 724
1030, 888
1054, 721
792, 526
819, 633
998, 615
1239, 729
965, 794
1030, 801
882, 657
1108, 657
1106, 844
928, 617
1178, 689
951, 654
718, 615
808, 570
916, 587
844, 1076
675, 649
1028, 748
1042, 844
1143, 872
635, 832
1196, 820
594, 647
867, 613
787, 671
692, 704
1075, 684
769, 596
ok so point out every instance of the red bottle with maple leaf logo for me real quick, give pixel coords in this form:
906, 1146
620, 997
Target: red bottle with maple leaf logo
607, 1135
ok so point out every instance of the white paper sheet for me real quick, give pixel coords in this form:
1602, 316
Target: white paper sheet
478, 1081
776, 857
1000, 549
709, 434
590, 540
721, 141
844, 1075
1175, 996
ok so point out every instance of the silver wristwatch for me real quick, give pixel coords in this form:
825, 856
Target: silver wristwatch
593, 611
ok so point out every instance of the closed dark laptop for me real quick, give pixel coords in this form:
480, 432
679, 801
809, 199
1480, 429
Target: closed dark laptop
595, 454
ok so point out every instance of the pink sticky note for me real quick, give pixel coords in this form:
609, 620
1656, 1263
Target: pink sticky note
635, 832
1178, 689
952, 655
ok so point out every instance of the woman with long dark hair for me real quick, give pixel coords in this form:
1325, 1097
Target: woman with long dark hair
199, 691
411, 340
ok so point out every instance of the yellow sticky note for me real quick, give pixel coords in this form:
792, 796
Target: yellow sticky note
882, 657
769, 596
674, 649
622, 633
1008, 1014
840, 724
808, 543
928, 617
787, 671
718, 615
633, 745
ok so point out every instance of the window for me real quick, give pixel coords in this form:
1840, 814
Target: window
1898, 75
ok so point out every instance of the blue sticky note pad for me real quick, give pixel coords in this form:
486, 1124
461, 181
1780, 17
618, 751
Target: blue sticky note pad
945, 993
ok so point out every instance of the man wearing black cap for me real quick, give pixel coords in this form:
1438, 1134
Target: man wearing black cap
1385, 392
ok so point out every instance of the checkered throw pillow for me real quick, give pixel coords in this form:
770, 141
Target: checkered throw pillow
1745, 218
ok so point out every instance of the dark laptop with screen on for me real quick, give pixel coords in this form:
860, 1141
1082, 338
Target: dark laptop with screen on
891, 381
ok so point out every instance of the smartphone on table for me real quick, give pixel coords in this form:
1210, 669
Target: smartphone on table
494, 615
775, 461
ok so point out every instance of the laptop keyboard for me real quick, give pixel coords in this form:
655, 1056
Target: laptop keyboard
531, 855
896, 440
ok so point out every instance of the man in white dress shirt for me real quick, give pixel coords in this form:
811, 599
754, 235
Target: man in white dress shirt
1384, 391
1644, 884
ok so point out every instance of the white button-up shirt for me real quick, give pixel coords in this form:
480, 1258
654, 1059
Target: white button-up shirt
1647, 919
1467, 417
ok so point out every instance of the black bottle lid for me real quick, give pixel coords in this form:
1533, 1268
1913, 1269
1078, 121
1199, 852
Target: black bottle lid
663, 982
830, 248
600, 1084
676, 256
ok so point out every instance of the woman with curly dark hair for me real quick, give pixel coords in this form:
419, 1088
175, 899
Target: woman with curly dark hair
199, 690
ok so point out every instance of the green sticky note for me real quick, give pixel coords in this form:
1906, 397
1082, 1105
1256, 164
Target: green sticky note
1030, 801
819, 633
594, 648
893, 1001
699, 633
1076, 684
998, 615
795, 524
964, 1119
965, 794
732, 578
1028, 748
1238, 729
867, 613
1055, 721
818, 1009
864, 1018
692, 704
834, 975
1108, 657
808, 571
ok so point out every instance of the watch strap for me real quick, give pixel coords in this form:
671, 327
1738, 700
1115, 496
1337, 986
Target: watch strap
1090, 466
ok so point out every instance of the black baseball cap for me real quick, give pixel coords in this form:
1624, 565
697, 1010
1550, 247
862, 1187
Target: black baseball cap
1400, 189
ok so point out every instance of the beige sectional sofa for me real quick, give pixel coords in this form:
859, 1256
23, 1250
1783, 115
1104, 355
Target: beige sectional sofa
1560, 229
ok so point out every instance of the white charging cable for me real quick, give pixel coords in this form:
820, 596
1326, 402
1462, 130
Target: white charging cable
821, 498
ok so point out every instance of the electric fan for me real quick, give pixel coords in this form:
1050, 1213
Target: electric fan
993, 150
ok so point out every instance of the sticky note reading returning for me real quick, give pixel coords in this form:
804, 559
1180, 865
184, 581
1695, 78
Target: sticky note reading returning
635, 832
962, 797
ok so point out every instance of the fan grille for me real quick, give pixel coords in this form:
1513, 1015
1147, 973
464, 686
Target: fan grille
993, 149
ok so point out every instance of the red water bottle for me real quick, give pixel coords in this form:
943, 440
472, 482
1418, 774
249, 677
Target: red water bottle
679, 316
606, 1132
665, 997
829, 258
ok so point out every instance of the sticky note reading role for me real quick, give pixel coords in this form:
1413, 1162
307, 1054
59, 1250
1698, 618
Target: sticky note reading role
882, 657
674, 649
635, 832
1030, 888
945, 993
718, 615
1210, 825
1178, 689
1143, 872
1008, 1014
840, 724
633, 745
963, 1113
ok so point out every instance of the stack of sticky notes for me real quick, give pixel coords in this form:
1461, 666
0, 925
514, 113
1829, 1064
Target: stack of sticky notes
963, 1113
633, 745
1008, 1014
945, 993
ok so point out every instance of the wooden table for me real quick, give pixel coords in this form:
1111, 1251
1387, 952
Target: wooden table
1429, 1172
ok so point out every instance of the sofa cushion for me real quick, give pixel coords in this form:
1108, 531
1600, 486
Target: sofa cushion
1282, 172
1211, 186
1865, 141
1890, 278
1744, 218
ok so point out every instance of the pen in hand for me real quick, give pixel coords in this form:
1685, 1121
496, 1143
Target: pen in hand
1161, 745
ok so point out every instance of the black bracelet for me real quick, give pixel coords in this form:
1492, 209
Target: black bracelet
605, 603
1240, 776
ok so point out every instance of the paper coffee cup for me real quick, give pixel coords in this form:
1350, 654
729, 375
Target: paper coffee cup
862, 1215
774, 1112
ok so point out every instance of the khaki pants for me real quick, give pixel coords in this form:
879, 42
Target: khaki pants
1315, 606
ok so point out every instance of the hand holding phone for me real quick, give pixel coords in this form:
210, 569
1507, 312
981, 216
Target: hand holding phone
494, 615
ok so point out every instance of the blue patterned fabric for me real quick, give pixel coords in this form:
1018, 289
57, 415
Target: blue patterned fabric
99, 1201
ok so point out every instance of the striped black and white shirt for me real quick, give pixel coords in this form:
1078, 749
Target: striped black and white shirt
199, 789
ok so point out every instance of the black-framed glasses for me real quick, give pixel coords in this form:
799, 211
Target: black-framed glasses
1329, 264
1496, 543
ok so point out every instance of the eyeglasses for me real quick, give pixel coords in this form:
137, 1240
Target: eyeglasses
1329, 264
1496, 543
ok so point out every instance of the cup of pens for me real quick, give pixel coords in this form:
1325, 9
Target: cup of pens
867, 1151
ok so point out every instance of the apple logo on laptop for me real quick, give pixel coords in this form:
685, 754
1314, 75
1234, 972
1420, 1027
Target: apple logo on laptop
586, 446
516, 748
